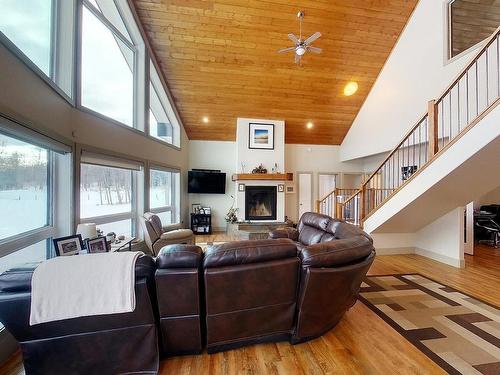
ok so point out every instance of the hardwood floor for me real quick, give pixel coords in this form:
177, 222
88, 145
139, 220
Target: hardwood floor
362, 343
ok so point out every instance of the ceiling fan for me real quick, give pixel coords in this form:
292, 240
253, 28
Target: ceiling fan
301, 46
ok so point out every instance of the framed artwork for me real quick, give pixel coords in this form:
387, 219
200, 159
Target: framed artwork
406, 172
241, 187
70, 245
281, 188
261, 136
97, 245
195, 208
290, 189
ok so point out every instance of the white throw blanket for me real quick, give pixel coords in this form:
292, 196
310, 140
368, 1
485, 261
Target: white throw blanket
83, 285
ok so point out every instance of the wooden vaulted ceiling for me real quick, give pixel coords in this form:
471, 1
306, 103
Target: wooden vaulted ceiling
219, 58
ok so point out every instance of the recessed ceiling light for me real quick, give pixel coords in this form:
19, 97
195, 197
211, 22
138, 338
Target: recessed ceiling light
310, 125
350, 88
206, 120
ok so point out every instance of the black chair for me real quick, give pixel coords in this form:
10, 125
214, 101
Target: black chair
487, 227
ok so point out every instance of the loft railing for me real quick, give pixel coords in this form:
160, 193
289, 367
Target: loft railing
471, 96
331, 204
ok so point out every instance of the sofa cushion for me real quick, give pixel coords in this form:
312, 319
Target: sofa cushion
342, 230
245, 252
314, 220
179, 256
336, 253
310, 235
177, 234
18, 279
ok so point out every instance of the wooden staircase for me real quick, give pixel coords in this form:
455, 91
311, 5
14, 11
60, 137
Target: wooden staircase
471, 96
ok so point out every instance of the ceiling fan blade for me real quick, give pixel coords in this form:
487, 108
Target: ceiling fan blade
293, 38
297, 59
314, 49
312, 38
284, 50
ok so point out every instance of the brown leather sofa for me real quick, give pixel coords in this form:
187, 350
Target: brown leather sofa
335, 256
295, 286
104, 344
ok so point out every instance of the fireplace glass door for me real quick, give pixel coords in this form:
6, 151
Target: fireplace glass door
260, 203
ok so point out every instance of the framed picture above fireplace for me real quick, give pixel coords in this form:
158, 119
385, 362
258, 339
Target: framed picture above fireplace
261, 136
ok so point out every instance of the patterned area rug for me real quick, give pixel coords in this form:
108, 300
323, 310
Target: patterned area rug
460, 333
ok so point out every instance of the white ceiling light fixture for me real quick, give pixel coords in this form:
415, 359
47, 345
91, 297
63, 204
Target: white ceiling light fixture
302, 46
206, 120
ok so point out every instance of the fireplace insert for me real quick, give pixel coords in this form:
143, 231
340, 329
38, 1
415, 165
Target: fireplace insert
260, 202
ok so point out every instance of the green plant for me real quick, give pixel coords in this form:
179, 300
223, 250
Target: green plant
231, 217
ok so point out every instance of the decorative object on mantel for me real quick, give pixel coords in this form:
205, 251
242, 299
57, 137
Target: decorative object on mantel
260, 169
242, 167
263, 177
275, 168
261, 136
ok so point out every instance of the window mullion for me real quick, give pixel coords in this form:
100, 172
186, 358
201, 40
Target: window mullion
109, 25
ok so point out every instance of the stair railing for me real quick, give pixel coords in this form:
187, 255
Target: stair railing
474, 93
331, 204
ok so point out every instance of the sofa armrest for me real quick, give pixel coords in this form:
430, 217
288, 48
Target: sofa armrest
337, 252
179, 256
285, 232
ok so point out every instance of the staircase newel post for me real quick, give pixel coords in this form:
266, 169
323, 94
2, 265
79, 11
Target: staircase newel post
318, 206
362, 194
433, 129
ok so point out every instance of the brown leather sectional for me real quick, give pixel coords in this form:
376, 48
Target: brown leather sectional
295, 286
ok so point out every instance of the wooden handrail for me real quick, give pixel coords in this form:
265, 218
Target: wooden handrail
396, 148
473, 61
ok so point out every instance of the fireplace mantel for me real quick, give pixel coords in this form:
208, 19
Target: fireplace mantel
263, 177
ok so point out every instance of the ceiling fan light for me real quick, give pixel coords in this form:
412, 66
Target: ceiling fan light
300, 50
350, 88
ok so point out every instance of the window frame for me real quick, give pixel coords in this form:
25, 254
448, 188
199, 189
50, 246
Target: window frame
141, 73
137, 196
28, 134
50, 80
174, 208
448, 42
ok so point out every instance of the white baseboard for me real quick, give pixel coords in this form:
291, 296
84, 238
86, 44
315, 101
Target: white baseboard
395, 250
458, 263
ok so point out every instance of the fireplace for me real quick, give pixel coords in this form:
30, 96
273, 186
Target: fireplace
260, 202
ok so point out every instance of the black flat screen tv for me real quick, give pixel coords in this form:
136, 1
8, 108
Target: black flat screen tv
200, 182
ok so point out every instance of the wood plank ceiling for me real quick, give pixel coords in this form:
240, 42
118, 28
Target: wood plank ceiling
219, 58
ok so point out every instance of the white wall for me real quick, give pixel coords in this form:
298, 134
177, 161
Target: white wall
443, 239
414, 73
492, 197
214, 155
251, 158
27, 98
298, 158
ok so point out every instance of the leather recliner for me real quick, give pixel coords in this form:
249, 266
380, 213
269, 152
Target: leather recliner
103, 344
157, 236
335, 256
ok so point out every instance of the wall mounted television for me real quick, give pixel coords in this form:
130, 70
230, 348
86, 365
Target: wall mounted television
206, 182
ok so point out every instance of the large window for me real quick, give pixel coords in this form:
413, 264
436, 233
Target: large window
164, 195
32, 169
470, 22
112, 64
109, 193
162, 120
24, 187
42, 31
